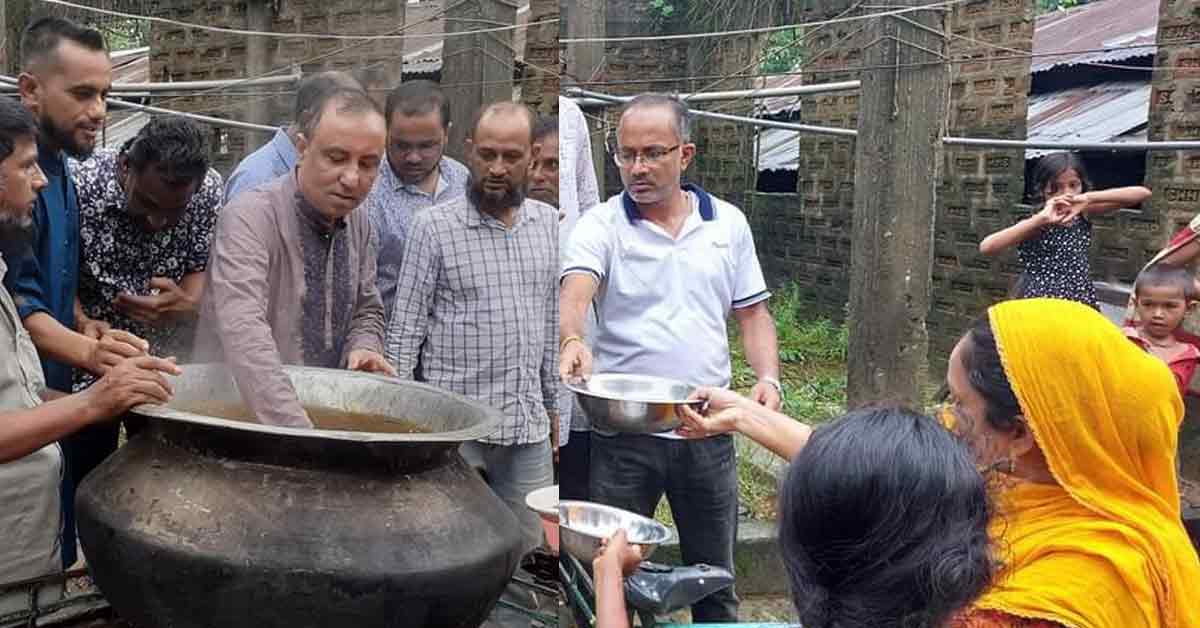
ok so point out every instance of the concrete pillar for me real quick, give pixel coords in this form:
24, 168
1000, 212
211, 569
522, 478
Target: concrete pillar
13, 16
897, 153
259, 56
583, 19
1174, 176
540, 81
476, 69
4, 40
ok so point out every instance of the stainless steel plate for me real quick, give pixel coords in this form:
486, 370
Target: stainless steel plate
582, 525
633, 404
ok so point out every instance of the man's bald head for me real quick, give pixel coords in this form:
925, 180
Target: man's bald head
505, 108
680, 116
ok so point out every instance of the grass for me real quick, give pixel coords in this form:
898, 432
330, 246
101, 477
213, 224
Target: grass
812, 355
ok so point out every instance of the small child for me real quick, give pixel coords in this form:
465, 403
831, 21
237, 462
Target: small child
1053, 244
1163, 295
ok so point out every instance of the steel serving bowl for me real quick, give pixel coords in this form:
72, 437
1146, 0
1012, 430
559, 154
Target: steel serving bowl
632, 404
544, 502
582, 525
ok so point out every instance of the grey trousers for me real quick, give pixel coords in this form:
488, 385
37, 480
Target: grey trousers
514, 471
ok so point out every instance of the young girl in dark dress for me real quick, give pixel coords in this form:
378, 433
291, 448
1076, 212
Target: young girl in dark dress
1053, 244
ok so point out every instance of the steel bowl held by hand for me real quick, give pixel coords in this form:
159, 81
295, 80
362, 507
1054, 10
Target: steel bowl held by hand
631, 404
584, 525
544, 502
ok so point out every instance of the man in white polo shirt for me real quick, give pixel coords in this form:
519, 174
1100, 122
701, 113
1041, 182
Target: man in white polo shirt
666, 264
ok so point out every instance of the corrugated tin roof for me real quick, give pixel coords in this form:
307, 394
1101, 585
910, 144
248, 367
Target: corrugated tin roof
423, 55
779, 104
1099, 113
1104, 24
121, 126
129, 66
1096, 25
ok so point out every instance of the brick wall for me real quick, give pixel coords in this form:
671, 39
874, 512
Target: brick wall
980, 189
806, 237
635, 61
725, 150
178, 54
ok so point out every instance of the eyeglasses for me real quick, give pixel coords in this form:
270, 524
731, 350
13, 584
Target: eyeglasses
626, 158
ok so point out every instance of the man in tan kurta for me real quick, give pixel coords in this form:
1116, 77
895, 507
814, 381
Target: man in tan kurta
291, 277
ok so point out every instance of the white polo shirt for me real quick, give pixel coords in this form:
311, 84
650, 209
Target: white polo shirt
663, 302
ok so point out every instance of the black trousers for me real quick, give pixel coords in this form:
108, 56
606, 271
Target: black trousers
83, 451
574, 467
699, 479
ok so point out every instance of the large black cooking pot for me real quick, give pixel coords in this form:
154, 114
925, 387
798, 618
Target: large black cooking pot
203, 522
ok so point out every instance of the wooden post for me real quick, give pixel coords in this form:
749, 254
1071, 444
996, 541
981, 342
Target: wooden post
898, 154
476, 69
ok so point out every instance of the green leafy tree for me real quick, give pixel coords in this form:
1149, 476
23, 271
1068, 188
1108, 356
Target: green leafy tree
783, 52
1046, 6
125, 34
663, 11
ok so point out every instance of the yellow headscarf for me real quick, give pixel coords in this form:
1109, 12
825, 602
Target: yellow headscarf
1105, 548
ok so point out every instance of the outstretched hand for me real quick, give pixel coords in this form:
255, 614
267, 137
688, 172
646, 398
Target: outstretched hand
718, 414
131, 383
618, 551
113, 347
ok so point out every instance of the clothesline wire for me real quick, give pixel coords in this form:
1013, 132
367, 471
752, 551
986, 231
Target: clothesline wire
795, 42
917, 64
1099, 64
320, 56
836, 45
227, 106
241, 31
765, 29
291, 92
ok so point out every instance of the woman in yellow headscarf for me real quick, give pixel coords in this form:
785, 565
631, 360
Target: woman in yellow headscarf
1084, 425
1081, 427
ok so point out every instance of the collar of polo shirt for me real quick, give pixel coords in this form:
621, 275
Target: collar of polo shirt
633, 213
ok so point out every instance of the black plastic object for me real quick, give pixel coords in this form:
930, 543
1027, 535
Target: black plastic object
661, 589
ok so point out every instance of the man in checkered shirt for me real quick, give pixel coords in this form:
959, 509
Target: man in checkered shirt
476, 309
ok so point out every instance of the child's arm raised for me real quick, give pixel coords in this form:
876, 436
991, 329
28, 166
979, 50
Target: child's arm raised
1098, 201
1054, 213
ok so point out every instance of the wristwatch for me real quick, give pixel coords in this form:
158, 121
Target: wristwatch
773, 382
